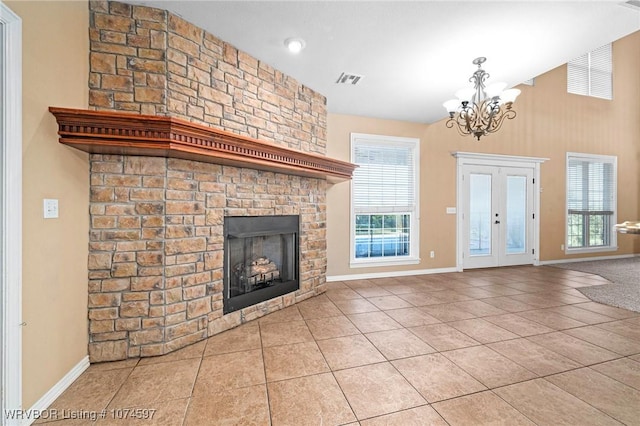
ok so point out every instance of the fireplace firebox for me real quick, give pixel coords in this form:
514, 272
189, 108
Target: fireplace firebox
260, 259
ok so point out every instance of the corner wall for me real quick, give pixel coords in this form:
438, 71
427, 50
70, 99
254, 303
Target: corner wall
55, 69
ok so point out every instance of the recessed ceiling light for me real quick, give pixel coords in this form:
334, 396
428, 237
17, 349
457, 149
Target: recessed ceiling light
295, 45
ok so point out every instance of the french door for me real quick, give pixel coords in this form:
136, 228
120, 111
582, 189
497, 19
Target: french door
498, 216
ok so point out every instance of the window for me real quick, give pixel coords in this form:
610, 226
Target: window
384, 200
591, 74
591, 202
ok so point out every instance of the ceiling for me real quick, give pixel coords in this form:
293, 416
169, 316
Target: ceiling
412, 55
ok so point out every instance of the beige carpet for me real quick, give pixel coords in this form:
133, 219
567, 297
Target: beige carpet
624, 292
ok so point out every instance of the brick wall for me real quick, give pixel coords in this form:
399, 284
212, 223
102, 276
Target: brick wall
155, 254
149, 61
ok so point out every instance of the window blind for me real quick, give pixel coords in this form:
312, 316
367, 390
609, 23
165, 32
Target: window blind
591, 186
591, 74
384, 180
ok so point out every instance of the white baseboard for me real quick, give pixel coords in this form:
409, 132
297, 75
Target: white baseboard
389, 274
62, 385
587, 259
333, 278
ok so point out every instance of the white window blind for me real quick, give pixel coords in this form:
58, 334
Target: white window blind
591, 200
591, 74
384, 180
591, 185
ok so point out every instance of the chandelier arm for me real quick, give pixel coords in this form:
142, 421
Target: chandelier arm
455, 122
460, 123
484, 118
494, 116
509, 115
452, 122
459, 119
468, 119
462, 131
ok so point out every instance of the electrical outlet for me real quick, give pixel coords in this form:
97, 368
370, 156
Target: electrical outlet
50, 208
432, 254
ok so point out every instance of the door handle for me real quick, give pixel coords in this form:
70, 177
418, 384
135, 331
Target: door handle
497, 221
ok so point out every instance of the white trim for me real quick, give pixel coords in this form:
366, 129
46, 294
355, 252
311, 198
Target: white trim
57, 389
392, 274
391, 261
571, 251
11, 210
491, 159
500, 160
587, 259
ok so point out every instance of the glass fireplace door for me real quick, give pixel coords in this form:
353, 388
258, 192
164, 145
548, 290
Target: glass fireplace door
260, 259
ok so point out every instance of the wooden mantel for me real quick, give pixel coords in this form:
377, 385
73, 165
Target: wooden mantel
105, 132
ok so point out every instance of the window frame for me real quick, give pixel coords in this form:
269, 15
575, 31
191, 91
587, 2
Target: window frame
613, 240
594, 59
414, 245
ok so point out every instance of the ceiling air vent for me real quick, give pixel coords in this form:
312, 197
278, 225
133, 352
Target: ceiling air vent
349, 78
634, 4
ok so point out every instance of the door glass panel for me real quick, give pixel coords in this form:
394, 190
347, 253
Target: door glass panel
516, 214
479, 214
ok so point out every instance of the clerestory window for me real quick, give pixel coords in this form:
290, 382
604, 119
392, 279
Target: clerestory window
592, 74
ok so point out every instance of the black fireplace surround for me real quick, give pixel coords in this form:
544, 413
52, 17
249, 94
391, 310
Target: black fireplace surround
261, 259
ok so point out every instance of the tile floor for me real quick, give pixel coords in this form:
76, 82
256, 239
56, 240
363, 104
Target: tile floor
505, 346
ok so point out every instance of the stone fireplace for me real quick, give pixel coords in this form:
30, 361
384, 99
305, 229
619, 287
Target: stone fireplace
160, 225
185, 131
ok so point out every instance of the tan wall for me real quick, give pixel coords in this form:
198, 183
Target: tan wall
55, 70
550, 122
339, 129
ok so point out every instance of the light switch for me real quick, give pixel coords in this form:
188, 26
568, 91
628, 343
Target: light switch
50, 208
451, 210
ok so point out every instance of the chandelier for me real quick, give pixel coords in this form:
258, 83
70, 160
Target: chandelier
477, 110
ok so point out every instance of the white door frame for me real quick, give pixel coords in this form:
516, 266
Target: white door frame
11, 210
472, 158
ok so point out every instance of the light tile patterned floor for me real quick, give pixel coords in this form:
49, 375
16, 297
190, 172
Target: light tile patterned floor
512, 346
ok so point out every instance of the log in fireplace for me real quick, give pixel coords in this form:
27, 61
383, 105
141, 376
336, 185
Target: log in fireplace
260, 259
